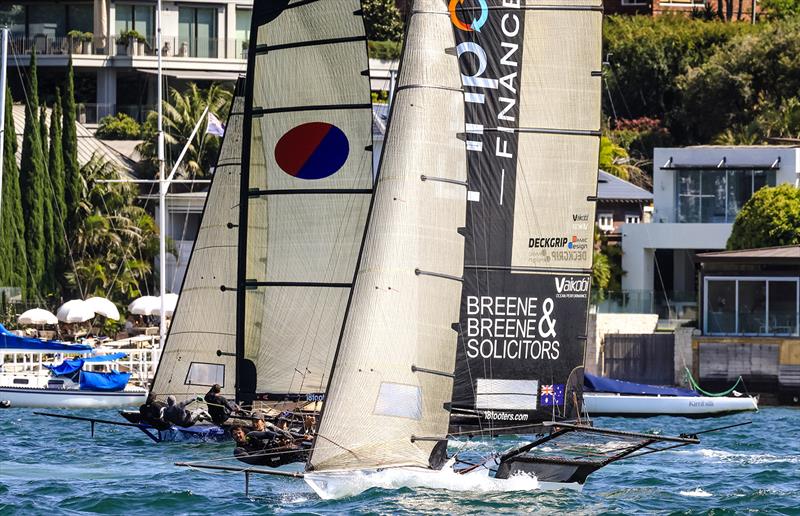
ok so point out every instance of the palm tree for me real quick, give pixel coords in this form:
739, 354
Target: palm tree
115, 241
181, 113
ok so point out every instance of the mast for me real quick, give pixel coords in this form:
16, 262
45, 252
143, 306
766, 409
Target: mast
531, 72
3, 62
162, 192
306, 188
392, 380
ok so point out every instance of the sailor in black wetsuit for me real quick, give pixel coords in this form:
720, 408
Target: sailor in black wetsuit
219, 407
266, 448
151, 412
177, 414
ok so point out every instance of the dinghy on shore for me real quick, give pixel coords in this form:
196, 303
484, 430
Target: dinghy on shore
610, 397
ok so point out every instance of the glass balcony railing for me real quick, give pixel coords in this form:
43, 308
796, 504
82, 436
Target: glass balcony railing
173, 46
670, 306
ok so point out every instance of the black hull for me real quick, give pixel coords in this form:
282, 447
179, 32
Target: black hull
546, 470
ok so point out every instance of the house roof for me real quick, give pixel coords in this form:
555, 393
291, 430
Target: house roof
786, 253
87, 144
610, 188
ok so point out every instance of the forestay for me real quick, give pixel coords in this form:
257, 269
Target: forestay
531, 74
392, 379
308, 186
201, 344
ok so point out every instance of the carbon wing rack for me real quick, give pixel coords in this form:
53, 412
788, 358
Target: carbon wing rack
568, 453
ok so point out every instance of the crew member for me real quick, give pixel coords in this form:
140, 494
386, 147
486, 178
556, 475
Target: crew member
219, 407
177, 414
152, 411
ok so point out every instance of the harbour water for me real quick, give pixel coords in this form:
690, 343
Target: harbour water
50, 466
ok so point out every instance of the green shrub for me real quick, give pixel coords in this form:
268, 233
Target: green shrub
119, 127
770, 218
386, 50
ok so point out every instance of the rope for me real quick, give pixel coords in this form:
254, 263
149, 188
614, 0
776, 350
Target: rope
696, 387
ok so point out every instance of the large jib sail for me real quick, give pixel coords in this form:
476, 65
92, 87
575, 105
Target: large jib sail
307, 186
531, 75
200, 346
387, 401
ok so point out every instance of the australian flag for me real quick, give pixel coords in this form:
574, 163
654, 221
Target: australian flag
552, 395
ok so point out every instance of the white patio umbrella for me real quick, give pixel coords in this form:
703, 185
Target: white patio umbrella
170, 302
75, 311
37, 316
103, 306
145, 305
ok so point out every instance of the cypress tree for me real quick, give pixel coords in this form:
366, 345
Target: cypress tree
55, 168
48, 218
32, 171
12, 224
72, 178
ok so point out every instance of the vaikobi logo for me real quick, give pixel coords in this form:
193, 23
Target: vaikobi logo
476, 24
571, 286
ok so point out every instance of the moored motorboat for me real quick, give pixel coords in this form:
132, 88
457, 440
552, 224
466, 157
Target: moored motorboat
28, 377
610, 397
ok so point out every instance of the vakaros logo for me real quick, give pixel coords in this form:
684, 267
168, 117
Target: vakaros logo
476, 24
571, 286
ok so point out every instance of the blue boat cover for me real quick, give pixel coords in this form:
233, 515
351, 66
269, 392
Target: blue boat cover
113, 381
69, 366
10, 341
594, 383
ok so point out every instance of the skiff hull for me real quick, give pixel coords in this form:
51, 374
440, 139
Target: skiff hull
68, 398
331, 485
604, 404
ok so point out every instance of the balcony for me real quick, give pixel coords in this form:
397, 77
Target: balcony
173, 46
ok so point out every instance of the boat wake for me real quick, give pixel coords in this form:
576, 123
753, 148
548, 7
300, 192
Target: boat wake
334, 485
742, 458
696, 493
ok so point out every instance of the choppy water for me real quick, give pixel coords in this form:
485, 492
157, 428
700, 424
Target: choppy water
54, 466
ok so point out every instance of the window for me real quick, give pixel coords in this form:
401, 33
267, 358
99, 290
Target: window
47, 20
243, 17
605, 221
752, 306
398, 400
197, 31
140, 18
715, 195
201, 373
80, 17
506, 394
632, 219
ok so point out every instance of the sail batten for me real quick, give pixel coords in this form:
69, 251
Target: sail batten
308, 189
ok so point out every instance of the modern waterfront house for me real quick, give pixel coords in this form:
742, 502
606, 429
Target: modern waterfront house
750, 320
697, 193
115, 69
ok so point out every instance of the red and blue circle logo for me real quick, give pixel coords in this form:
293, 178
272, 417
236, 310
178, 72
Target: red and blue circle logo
314, 150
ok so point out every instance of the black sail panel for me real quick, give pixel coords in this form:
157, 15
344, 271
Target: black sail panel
530, 71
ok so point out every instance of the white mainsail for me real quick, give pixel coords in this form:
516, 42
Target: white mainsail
204, 322
308, 186
386, 403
